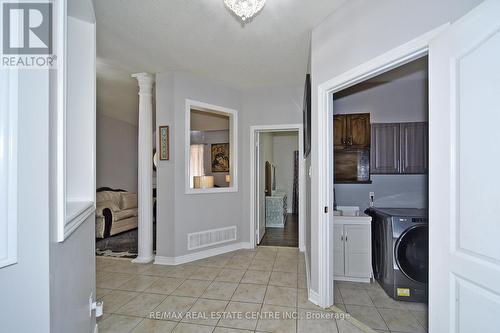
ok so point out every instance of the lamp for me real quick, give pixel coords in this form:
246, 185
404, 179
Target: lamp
203, 181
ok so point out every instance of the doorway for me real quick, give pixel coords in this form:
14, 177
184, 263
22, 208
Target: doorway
413, 50
277, 186
380, 152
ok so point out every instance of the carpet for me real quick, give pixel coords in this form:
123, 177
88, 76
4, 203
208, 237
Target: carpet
123, 245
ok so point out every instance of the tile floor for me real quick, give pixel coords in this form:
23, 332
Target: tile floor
370, 304
254, 289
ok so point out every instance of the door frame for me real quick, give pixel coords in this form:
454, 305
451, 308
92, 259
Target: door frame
394, 58
254, 178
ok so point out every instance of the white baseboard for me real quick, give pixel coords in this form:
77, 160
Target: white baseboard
172, 261
313, 297
311, 294
351, 279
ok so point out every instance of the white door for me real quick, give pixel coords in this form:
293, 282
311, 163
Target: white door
338, 249
464, 222
261, 196
357, 250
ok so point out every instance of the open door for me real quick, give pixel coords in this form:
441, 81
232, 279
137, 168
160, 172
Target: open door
464, 225
260, 189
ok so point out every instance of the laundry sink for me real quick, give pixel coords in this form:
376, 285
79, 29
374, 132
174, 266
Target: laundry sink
347, 211
350, 215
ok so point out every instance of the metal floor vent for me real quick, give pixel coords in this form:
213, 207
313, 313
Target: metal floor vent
206, 238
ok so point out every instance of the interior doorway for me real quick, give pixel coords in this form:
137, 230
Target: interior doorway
381, 237
277, 186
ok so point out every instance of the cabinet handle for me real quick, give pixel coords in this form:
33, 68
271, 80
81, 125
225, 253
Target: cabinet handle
346, 238
349, 141
342, 238
343, 141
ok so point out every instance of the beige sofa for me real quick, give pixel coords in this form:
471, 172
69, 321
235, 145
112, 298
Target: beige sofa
116, 212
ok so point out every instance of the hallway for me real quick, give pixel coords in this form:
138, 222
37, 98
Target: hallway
287, 236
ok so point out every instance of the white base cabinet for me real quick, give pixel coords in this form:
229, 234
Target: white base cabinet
352, 250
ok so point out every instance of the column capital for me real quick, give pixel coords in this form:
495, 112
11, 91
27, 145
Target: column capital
145, 81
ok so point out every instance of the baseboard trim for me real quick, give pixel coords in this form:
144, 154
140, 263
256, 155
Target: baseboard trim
313, 297
172, 261
311, 294
351, 279
143, 260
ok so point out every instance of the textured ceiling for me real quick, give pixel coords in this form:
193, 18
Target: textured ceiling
203, 37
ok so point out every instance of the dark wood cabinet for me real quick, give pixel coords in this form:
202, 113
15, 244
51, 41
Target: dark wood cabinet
339, 131
385, 149
352, 131
358, 130
414, 148
399, 148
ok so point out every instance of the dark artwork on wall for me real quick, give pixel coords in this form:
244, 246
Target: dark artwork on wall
307, 116
220, 157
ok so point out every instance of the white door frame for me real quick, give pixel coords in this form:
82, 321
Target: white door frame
253, 178
399, 56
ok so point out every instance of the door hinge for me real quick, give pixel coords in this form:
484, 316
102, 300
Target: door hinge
326, 209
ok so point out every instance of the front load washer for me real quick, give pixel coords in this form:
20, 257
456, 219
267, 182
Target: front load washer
400, 250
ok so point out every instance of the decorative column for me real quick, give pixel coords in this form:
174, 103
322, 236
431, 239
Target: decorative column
145, 165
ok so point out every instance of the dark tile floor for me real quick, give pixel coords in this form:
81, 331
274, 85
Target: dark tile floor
287, 236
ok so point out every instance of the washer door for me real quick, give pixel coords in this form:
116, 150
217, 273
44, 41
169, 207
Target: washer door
412, 253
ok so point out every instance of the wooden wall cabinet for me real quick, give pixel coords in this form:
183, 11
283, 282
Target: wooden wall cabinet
399, 148
352, 131
384, 152
414, 148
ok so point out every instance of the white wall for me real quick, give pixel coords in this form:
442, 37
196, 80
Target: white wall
48, 289
284, 146
405, 99
25, 285
357, 32
180, 214
116, 154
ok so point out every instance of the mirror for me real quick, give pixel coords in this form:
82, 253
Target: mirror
210, 150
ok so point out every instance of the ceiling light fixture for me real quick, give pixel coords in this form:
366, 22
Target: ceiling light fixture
245, 9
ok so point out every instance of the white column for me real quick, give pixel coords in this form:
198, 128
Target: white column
145, 176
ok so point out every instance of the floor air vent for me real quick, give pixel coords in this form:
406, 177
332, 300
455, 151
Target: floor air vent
206, 238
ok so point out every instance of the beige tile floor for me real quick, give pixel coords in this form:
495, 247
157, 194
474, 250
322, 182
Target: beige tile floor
268, 281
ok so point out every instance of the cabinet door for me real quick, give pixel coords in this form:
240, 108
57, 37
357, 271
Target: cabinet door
339, 131
338, 249
358, 129
385, 151
357, 251
414, 147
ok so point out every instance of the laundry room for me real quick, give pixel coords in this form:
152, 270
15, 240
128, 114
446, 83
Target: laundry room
380, 155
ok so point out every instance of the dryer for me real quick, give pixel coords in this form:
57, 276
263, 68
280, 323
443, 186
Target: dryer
400, 252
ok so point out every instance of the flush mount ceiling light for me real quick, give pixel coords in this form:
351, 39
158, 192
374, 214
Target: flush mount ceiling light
245, 9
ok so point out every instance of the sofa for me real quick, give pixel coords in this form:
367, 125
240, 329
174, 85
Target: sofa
116, 212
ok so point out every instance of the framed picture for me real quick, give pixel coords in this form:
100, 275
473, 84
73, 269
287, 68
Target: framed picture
220, 157
164, 143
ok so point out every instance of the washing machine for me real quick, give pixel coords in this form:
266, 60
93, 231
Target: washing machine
400, 252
